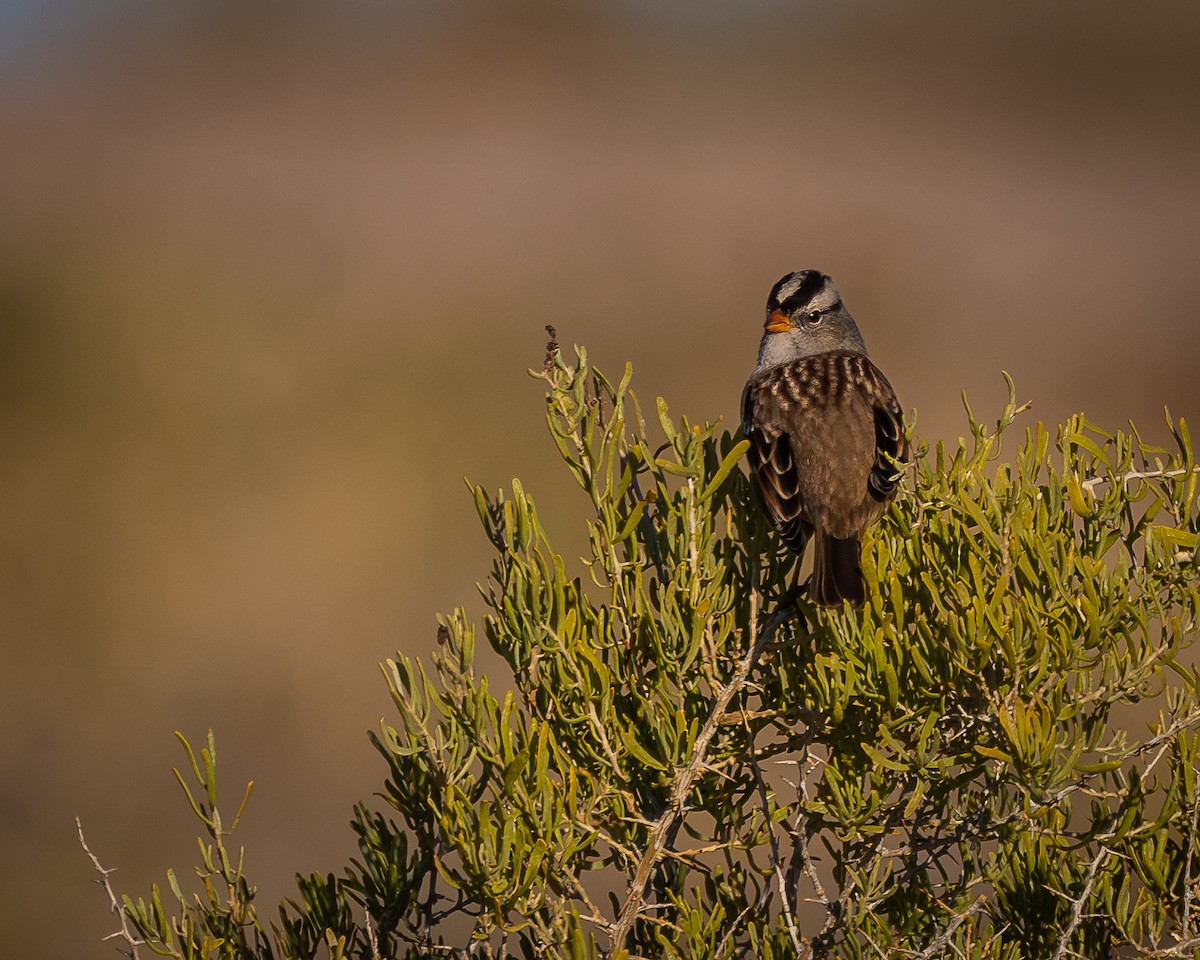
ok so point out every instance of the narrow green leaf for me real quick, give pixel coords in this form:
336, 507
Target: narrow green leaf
724, 469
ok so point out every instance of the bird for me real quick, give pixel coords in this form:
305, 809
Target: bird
826, 432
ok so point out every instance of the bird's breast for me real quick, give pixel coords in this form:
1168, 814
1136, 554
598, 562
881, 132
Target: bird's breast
824, 406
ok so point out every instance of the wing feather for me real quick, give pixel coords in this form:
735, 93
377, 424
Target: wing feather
773, 464
891, 445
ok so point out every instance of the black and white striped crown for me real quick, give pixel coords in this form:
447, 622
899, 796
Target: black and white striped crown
804, 290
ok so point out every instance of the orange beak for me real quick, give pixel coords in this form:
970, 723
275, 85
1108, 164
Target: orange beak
778, 322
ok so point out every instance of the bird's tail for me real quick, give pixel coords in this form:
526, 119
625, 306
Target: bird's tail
836, 575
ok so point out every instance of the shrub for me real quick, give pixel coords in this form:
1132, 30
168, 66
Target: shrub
995, 758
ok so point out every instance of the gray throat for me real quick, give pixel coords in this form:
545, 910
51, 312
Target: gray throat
776, 349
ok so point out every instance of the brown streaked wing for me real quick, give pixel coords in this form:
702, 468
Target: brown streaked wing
772, 463
890, 443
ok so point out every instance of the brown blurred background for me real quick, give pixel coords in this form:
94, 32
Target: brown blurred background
270, 277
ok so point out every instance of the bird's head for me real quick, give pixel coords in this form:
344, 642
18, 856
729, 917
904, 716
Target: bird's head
805, 316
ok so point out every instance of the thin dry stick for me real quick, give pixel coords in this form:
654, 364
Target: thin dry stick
1160, 743
736, 925
372, 939
124, 933
789, 920
661, 830
799, 832
1185, 948
1077, 905
943, 938
1090, 485
1189, 886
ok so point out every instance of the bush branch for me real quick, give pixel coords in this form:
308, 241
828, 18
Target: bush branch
125, 933
663, 828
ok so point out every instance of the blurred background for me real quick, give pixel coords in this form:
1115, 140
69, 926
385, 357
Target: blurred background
271, 274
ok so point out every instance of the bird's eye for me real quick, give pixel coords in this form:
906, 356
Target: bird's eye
814, 317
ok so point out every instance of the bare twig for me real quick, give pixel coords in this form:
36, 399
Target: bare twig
125, 933
1077, 904
1189, 889
982, 827
943, 938
800, 834
1090, 485
372, 939
580, 891
879, 951
1185, 948
733, 927
663, 828
837, 909
785, 898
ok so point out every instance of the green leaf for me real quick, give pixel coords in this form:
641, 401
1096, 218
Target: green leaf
1169, 535
677, 469
993, 754
630, 742
723, 471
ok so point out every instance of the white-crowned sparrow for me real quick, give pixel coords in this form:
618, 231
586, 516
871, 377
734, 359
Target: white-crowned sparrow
825, 431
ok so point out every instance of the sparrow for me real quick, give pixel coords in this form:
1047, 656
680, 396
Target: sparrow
826, 432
